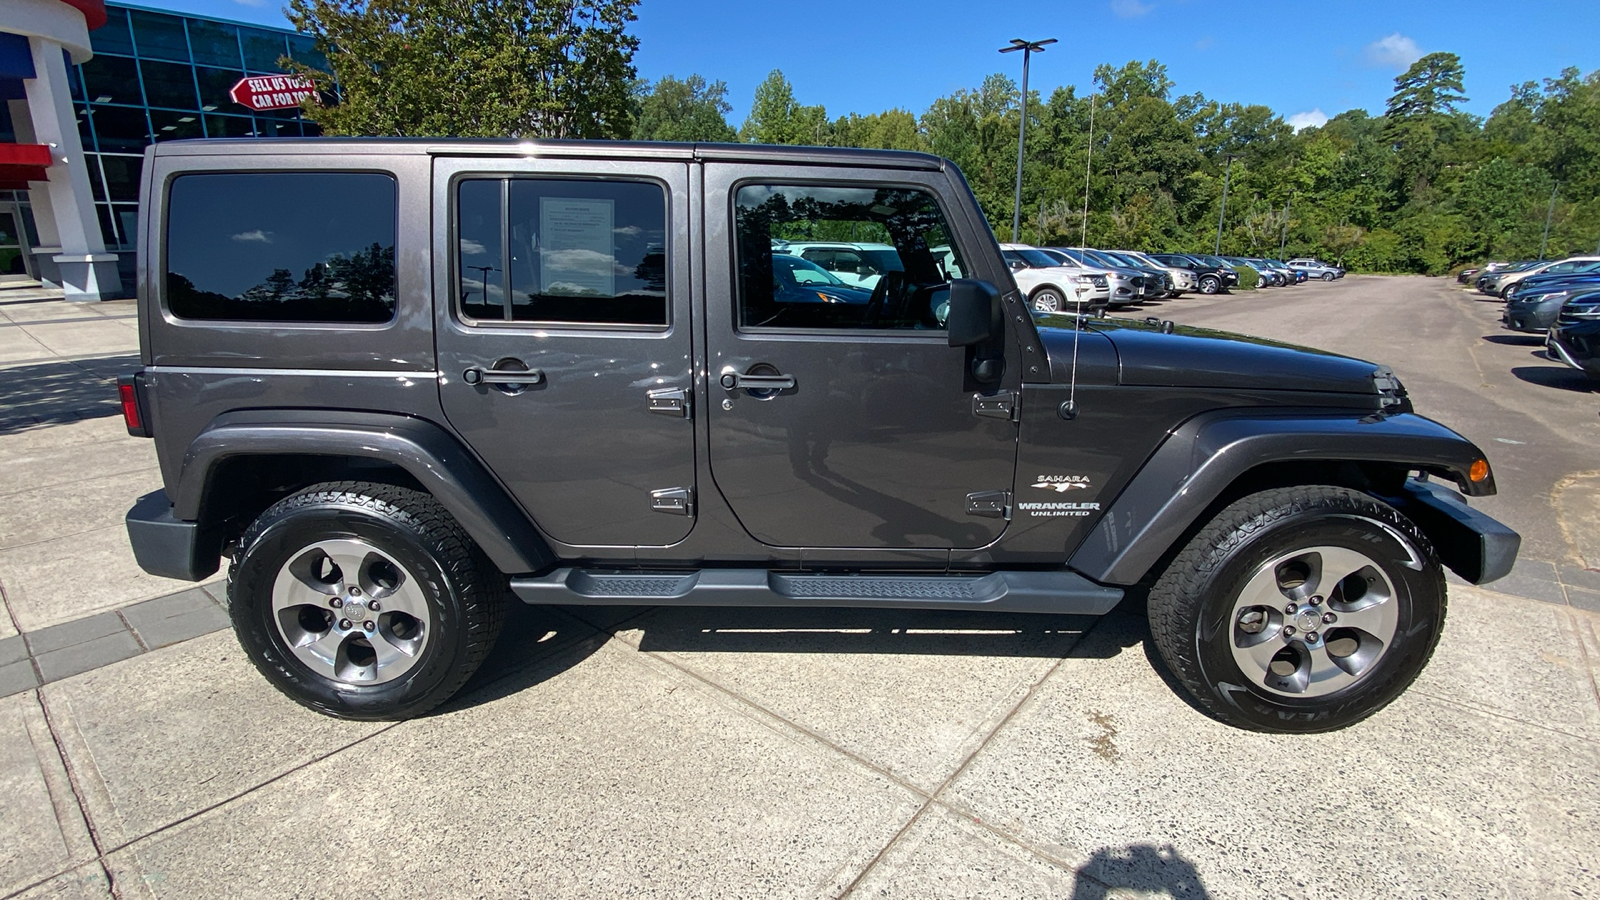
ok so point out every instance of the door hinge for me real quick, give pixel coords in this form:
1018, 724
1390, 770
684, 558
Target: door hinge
990, 504
669, 402
675, 501
995, 406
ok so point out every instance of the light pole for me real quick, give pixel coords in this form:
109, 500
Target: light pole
1547, 216
1226, 175
1028, 48
1284, 241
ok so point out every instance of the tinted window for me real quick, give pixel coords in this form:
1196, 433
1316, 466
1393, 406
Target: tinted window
168, 84
543, 250
159, 36
214, 43
282, 246
777, 290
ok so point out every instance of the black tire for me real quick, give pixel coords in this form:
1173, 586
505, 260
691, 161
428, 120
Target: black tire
1047, 299
1199, 628
1328, 276
462, 592
1210, 284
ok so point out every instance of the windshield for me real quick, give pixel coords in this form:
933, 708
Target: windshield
1104, 259
1035, 258
800, 271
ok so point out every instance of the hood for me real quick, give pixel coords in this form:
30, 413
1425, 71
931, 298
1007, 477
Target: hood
1200, 357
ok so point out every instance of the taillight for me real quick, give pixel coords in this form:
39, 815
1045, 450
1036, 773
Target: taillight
132, 409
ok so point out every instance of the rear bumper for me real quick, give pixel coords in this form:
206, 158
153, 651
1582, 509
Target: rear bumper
167, 546
1473, 545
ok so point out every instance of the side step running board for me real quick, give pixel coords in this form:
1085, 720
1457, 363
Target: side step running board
1033, 592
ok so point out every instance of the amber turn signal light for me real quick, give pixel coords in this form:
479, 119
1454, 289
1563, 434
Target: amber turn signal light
1479, 471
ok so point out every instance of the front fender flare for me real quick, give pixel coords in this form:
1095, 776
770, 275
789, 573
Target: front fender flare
427, 452
1205, 455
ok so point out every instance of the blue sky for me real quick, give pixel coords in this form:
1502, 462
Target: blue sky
868, 55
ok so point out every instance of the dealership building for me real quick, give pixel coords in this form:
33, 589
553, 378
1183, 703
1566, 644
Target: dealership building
87, 85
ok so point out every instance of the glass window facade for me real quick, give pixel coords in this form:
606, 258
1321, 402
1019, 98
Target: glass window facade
157, 77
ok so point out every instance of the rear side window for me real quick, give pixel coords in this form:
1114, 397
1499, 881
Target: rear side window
547, 250
282, 247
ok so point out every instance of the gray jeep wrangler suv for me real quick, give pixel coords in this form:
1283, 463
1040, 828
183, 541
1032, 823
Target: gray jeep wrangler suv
398, 382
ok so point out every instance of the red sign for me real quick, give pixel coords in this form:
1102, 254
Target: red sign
260, 92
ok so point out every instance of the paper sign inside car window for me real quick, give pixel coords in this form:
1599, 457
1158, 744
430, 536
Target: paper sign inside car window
576, 257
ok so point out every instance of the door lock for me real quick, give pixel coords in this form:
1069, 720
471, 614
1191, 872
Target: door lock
669, 401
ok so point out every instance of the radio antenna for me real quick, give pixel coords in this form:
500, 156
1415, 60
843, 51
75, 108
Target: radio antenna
1083, 239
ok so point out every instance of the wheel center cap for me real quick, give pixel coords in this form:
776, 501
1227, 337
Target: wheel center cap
1308, 619
354, 610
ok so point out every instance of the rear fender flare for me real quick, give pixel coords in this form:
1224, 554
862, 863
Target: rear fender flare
427, 452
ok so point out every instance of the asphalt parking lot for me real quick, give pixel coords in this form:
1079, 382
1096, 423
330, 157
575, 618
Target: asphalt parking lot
631, 752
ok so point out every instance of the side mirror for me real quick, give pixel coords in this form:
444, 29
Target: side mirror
975, 317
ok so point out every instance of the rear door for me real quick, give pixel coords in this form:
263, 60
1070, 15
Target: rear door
564, 339
846, 424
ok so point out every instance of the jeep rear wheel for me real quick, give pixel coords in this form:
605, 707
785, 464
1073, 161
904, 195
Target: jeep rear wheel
1300, 609
363, 601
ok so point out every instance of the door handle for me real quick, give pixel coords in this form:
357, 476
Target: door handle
475, 375
734, 381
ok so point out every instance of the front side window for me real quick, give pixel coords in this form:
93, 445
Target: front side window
905, 287
282, 247
547, 250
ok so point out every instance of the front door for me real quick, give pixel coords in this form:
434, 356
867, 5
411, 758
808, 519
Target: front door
564, 339
14, 262
840, 417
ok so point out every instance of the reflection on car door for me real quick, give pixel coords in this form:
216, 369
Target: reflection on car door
843, 425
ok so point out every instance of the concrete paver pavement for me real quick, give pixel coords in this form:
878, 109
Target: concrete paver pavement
660, 752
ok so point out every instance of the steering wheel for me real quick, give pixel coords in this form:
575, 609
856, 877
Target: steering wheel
880, 297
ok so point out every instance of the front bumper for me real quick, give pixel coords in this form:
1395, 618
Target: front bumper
167, 546
1474, 546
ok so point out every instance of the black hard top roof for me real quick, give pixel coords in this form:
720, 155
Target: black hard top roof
540, 149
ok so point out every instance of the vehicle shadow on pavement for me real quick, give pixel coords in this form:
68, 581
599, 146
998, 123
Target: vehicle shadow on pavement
1143, 869
1555, 376
60, 391
1516, 340
537, 643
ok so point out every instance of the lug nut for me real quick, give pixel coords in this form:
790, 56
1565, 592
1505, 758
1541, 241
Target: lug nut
369, 625
1290, 609
355, 592
1329, 618
1312, 637
335, 602
1288, 631
344, 624
1316, 601
372, 605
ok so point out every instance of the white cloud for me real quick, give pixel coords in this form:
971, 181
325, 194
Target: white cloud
1316, 118
472, 248
1395, 51
258, 236
629, 230
256, 3
1130, 9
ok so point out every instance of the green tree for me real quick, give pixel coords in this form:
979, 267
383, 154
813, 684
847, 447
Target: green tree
689, 110
495, 68
1422, 121
777, 118
894, 129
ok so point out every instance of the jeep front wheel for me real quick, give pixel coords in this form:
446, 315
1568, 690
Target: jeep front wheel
1300, 609
363, 601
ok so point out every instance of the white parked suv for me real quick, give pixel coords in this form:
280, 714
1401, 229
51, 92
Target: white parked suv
1051, 286
854, 263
